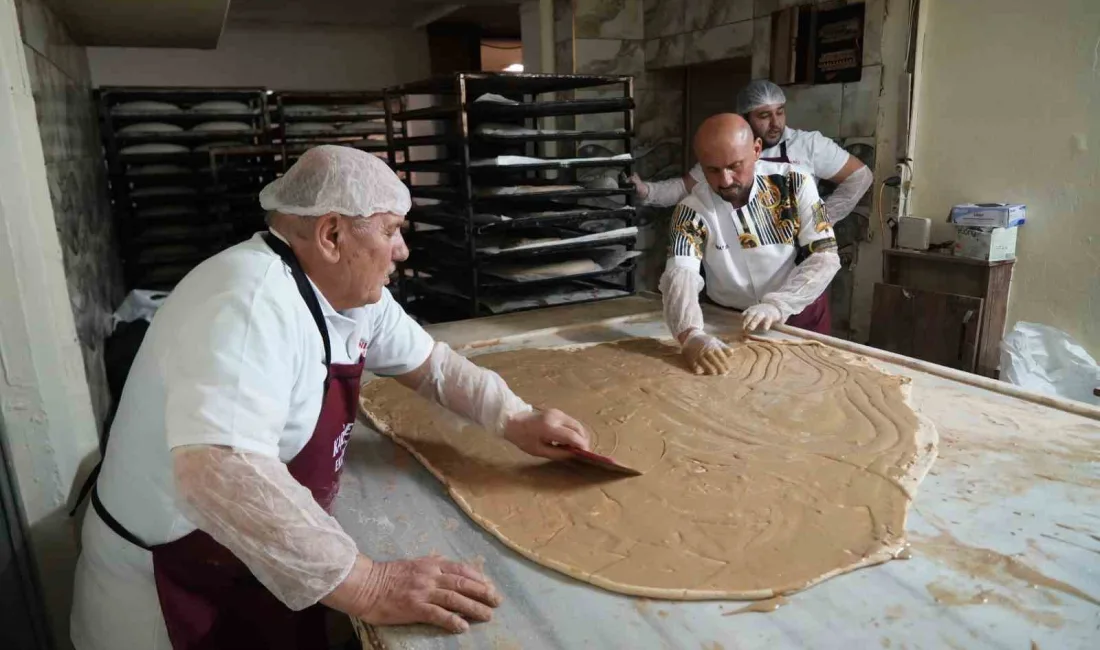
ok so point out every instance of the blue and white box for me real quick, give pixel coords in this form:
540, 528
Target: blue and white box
989, 215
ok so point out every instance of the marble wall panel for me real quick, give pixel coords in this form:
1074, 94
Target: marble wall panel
608, 56
664, 18
719, 43
704, 14
608, 19
563, 20
666, 52
761, 47
768, 7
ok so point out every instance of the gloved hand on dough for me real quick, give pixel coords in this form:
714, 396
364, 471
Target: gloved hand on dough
481, 396
705, 354
761, 316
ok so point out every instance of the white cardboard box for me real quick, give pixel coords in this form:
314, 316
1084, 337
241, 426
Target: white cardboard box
988, 244
989, 215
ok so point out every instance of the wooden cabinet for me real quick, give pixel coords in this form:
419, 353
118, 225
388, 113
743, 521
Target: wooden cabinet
943, 309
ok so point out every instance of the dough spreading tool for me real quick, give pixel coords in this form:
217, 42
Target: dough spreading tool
598, 460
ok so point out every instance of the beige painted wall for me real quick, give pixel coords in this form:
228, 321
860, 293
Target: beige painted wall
275, 57
1008, 109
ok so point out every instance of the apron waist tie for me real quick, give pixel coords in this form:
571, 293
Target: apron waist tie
113, 524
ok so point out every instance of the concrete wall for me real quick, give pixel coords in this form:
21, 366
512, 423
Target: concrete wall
61, 84
45, 405
280, 57
1008, 109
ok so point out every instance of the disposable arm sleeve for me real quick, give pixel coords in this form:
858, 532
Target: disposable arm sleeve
250, 504
470, 391
806, 282
847, 194
665, 193
680, 289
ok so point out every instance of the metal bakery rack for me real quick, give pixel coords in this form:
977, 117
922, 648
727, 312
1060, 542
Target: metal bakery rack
184, 167
519, 199
304, 119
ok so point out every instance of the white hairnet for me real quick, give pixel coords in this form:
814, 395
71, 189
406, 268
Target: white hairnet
759, 93
337, 179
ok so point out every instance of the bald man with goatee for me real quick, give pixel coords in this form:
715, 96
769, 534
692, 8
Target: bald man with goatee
761, 232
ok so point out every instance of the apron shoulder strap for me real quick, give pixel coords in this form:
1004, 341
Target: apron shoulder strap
305, 289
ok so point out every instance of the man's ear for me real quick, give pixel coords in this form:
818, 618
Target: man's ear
757, 147
326, 236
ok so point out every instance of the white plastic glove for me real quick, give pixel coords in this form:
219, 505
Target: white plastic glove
480, 395
761, 316
543, 433
804, 285
680, 289
705, 354
251, 505
659, 193
477, 394
847, 194
429, 590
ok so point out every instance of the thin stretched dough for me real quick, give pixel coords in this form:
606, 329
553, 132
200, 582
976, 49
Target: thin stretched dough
796, 467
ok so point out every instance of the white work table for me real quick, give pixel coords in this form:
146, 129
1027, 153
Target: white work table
1016, 478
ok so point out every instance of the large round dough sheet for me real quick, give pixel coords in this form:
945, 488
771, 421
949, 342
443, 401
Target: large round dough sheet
798, 465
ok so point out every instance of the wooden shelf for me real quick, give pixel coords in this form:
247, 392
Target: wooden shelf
940, 257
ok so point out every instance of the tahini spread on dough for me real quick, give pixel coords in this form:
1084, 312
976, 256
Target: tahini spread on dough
797, 466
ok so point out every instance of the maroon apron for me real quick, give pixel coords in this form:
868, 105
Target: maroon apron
816, 317
209, 598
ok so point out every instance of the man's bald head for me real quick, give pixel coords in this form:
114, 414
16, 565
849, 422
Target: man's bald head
727, 150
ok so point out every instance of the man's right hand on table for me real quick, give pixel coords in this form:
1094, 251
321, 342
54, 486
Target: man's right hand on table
705, 354
429, 590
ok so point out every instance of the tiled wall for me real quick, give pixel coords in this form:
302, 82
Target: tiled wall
608, 37
61, 83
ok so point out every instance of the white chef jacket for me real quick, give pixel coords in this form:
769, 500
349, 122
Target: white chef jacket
749, 252
232, 358
810, 150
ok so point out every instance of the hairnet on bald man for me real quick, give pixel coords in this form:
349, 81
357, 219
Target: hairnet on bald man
759, 93
343, 180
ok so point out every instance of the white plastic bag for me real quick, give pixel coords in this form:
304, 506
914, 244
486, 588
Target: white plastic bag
1047, 360
139, 304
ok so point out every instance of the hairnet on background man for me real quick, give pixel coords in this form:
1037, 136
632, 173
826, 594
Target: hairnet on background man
759, 93
343, 180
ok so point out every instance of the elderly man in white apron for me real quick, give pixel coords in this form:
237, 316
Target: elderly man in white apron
210, 526
764, 105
